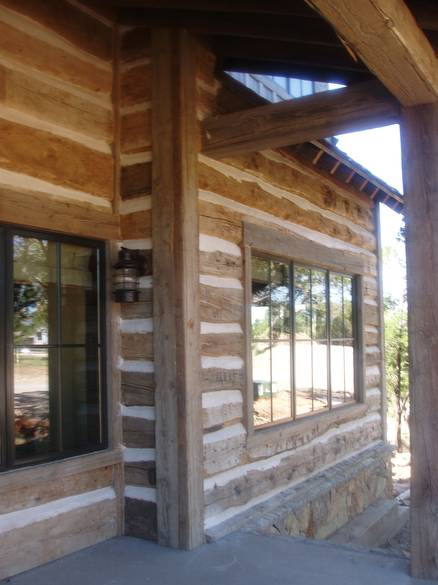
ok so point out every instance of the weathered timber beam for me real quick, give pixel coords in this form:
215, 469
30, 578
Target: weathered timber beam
420, 176
385, 35
358, 107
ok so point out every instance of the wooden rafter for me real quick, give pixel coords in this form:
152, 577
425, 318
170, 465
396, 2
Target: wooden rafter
377, 28
294, 121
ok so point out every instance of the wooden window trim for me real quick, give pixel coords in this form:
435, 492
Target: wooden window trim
293, 248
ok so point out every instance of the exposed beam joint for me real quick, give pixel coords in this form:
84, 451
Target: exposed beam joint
360, 107
385, 35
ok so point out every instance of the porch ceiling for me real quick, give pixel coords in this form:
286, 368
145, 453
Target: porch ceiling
268, 37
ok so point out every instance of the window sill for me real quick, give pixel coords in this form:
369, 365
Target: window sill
291, 434
53, 470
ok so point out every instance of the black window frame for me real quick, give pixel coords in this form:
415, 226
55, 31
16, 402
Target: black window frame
7, 422
291, 263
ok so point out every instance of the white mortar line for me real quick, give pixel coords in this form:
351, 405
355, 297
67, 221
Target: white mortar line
219, 398
218, 328
220, 281
214, 244
142, 203
136, 492
137, 455
143, 244
144, 412
137, 325
225, 362
140, 366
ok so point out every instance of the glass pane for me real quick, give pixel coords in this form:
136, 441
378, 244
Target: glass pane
280, 309
348, 306
319, 304
320, 374
336, 318
81, 426
337, 372
79, 296
302, 303
349, 370
281, 389
260, 309
261, 382
303, 377
34, 291
34, 375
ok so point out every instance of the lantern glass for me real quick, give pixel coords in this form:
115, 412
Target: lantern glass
126, 278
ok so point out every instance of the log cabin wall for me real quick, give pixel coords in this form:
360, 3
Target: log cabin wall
57, 173
137, 364
243, 470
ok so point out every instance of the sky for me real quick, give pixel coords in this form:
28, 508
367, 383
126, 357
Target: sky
379, 151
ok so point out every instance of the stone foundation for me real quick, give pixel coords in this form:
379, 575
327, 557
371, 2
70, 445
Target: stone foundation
320, 505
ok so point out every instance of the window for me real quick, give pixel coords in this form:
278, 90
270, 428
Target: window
302, 339
52, 329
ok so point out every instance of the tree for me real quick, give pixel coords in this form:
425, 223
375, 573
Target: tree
397, 361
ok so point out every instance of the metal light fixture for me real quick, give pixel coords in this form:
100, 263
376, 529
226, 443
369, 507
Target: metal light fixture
126, 281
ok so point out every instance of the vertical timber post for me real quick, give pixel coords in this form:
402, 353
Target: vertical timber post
175, 235
420, 174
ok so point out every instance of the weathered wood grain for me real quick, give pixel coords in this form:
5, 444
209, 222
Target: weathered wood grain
45, 211
220, 264
252, 194
176, 290
136, 85
58, 160
223, 344
373, 28
215, 220
42, 57
138, 389
51, 104
358, 107
135, 132
221, 379
141, 473
420, 175
136, 180
136, 225
138, 432
76, 26
137, 346
220, 305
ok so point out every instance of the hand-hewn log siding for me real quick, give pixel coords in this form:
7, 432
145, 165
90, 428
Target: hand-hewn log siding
137, 366
275, 190
57, 173
56, 118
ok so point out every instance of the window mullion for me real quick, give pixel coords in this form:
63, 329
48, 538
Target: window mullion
58, 390
292, 337
270, 338
3, 354
329, 342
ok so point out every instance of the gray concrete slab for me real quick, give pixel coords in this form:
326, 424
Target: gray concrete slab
239, 559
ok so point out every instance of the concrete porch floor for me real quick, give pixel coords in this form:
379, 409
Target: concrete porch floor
236, 560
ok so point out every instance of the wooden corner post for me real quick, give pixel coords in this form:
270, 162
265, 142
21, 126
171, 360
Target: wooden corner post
420, 170
175, 235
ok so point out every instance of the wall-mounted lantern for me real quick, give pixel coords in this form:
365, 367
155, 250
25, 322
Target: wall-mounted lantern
127, 271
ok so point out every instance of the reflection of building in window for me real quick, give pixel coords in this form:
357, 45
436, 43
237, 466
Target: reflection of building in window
303, 340
276, 88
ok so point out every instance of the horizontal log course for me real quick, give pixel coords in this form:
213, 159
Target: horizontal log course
63, 162
220, 264
136, 225
138, 388
136, 85
241, 485
28, 496
141, 473
137, 346
286, 172
90, 517
138, 432
42, 57
220, 305
214, 379
44, 211
358, 107
223, 344
51, 104
136, 180
135, 132
76, 26
218, 221
282, 205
